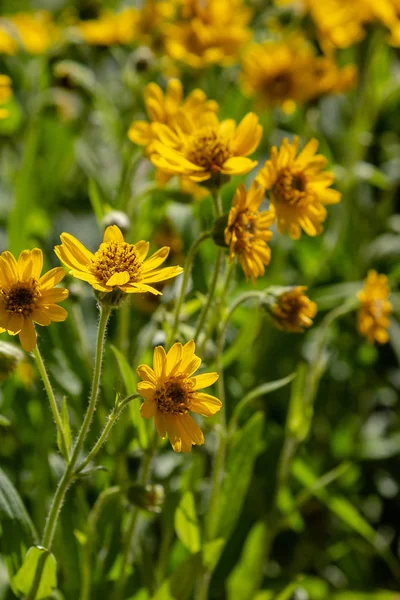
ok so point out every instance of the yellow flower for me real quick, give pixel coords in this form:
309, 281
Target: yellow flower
5, 95
152, 18
287, 72
36, 32
293, 311
298, 187
375, 308
170, 392
27, 297
116, 265
247, 231
207, 148
208, 32
8, 45
109, 28
165, 108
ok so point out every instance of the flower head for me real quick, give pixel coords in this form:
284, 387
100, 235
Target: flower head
36, 32
298, 187
109, 28
208, 32
375, 308
247, 231
171, 391
116, 265
165, 107
207, 148
293, 311
26, 297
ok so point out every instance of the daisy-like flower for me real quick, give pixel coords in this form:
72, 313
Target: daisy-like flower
207, 148
293, 311
375, 308
171, 391
26, 297
298, 187
116, 265
36, 32
109, 28
164, 107
247, 231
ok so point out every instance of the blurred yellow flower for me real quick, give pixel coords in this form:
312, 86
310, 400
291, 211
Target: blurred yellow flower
206, 148
170, 391
288, 72
27, 297
208, 32
298, 187
293, 311
166, 108
247, 231
116, 265
34, 32
151, 21
5, 95
109, 28
375, 308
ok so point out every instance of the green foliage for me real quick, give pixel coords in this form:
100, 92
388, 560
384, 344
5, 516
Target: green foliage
38, 559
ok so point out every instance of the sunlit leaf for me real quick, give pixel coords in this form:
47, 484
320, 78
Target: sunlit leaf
38, 560
186, 524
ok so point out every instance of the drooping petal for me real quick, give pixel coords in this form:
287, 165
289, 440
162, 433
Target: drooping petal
56, 313
148, 409
27, 335
119, 278
205, 404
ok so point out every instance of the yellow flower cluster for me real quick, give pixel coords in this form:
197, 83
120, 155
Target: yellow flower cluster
109, 28
5, 95
288, 72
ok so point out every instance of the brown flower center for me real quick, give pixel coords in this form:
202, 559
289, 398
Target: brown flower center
174, 396
116, 257
290, 188
208, 149
21, 297
280, 86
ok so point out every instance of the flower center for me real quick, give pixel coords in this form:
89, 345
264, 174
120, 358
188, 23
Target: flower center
116, 257
290, 188
280, 86
174, 397
21, 297
207, 148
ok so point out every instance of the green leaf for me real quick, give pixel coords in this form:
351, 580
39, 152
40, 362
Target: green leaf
287, 592
96, 201
186, 524
212, 552
66, 427
247, 575
38, 560
129, 380
239, 468
299, 414
17, 529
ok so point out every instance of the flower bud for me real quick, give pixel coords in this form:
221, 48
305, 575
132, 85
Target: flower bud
218, 231
149, 496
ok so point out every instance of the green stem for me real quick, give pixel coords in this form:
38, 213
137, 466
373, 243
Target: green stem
130, 531
111, 420
53, 403
186, 274
68, 476
210, 295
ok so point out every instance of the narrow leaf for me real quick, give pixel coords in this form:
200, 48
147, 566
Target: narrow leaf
246, 577
186, 524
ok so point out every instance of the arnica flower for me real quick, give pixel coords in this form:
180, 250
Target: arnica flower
375, 308
293, 311
247, 231
35, 32
287, 72
26, 297
109, 28
164, 107
207, 148
171, 391
298, 187
5, 95
116, 265
208, 32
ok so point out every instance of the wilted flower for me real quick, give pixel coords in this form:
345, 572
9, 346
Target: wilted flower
247, 231
26, 297
116, 265
375, 308
171, 392
292, 310
298, 187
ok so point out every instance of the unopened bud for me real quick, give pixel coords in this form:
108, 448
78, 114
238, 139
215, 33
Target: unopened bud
218, 231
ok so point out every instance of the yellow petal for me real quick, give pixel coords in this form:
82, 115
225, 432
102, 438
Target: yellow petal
159, 422
204, 380
113, 234
56, 313
146, 373
51, 278
119, 278
148, 409
146, 389
173, 358
27, 335
156, 260
159, 361
205, 404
